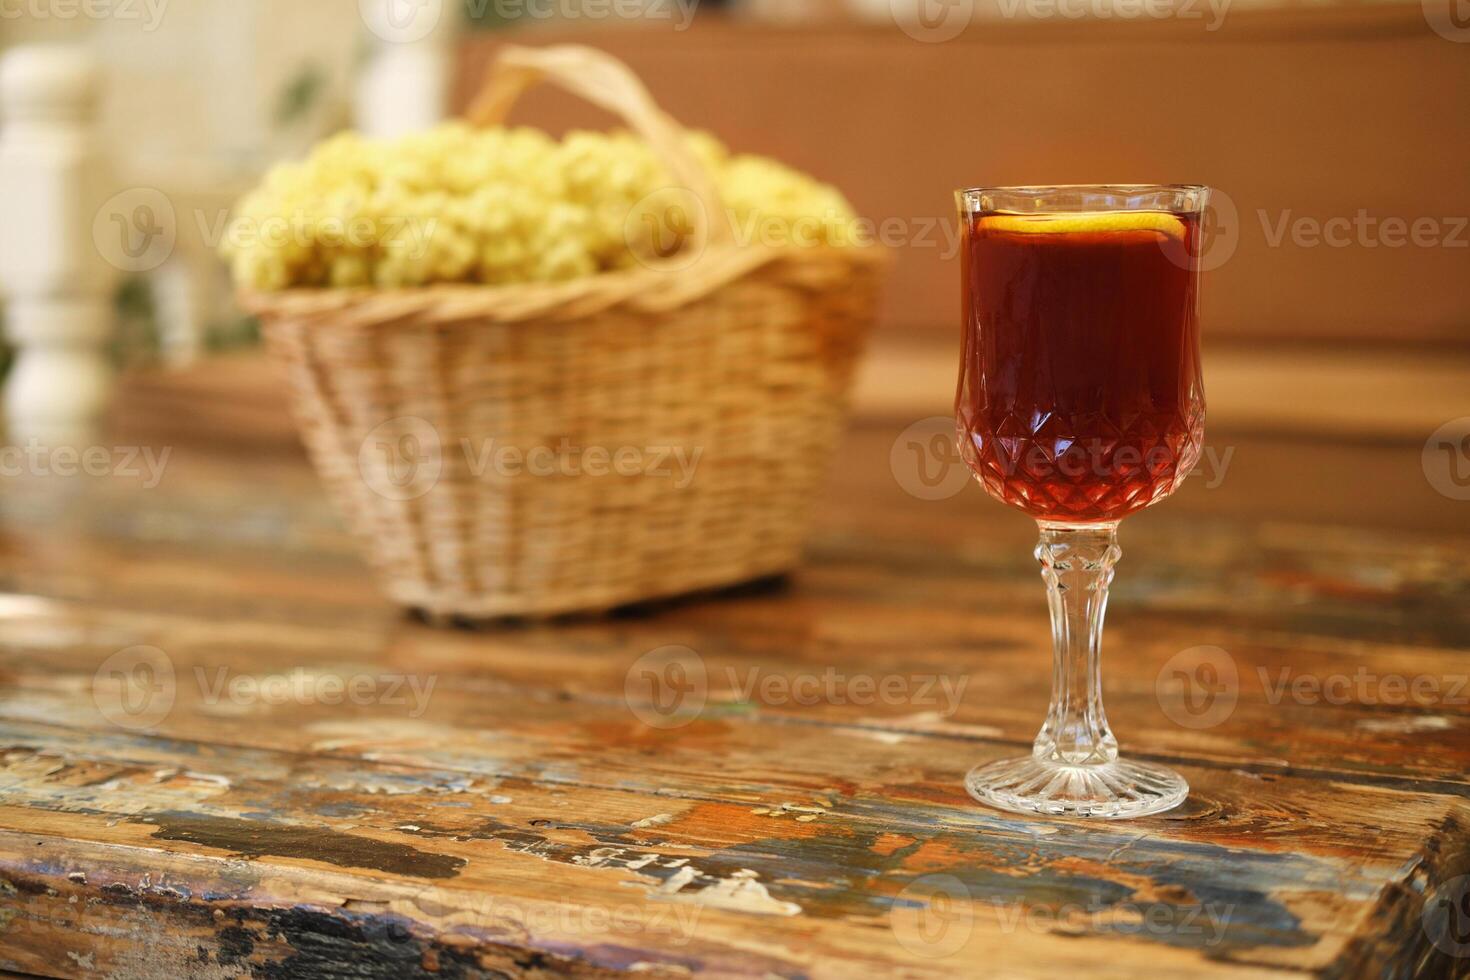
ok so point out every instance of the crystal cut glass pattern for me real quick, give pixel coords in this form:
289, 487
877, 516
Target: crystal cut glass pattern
1080, 401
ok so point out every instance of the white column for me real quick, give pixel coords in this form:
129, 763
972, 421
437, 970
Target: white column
58, 284
404, 85
186, 298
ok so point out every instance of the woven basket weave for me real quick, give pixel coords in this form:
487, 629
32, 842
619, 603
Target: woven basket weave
513, 450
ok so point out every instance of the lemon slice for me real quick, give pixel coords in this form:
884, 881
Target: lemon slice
1085, 221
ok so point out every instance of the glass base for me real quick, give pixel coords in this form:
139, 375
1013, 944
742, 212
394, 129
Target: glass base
1112, 790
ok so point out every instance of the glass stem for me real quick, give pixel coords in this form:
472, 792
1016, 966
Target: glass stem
1077, 564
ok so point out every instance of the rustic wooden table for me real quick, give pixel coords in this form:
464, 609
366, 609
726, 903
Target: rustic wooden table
304, 782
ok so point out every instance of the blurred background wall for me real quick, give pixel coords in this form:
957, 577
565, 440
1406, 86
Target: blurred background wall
1337, 297
1294, 115
1300, 115
1337, 307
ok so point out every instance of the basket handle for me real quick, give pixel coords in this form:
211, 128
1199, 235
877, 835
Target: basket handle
605, 82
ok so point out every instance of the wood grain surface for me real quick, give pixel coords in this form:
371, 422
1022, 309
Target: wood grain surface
764, 782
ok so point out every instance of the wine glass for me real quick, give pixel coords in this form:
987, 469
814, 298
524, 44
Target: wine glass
1080, 401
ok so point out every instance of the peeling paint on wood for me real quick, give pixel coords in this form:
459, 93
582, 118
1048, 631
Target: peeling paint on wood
529, 823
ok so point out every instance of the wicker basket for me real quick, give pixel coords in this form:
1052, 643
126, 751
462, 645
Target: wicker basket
515, 450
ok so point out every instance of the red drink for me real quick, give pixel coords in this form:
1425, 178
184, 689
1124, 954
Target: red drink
1080, 402
1080, 398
